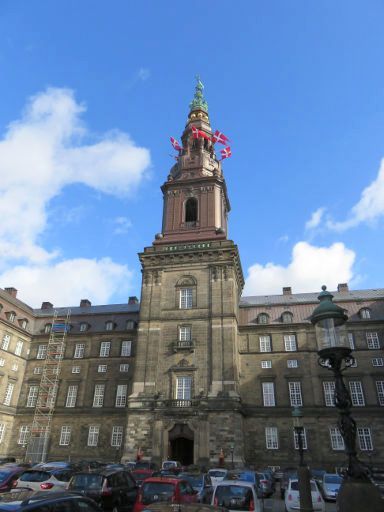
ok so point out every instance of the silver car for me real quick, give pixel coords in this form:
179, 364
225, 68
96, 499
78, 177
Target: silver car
330, 485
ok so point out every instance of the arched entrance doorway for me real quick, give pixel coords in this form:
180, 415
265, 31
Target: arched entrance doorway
181, 444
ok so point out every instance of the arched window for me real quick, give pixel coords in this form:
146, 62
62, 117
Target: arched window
191, 211
263, 318
365, 313
287, 317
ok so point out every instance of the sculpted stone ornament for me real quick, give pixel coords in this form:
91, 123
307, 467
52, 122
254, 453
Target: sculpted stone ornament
198, 102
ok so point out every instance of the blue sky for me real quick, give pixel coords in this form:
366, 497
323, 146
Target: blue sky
91, 92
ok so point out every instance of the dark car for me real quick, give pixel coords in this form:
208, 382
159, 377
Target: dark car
8, 475
201, 483
41, 501
112, 489
146, 464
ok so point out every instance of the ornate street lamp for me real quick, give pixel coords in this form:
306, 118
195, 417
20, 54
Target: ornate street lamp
303, 473
335, 354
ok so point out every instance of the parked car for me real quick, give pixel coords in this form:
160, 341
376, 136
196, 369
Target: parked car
266, 484
183, 507
217, 475
236, 495
288, 473
44, 479
8, 475
201, 483
330, 485
377, 477
146, 464
246, 475
28, 501
171, 489
112, 489
317, 474
171, 465
5, 460
141, 474
292, 497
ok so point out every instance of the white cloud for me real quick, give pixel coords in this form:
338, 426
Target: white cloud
122, 225
144, 74
309, 269
315, 219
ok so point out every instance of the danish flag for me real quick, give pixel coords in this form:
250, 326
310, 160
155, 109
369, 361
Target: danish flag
199, 134
175, 144
220, 137
225, 153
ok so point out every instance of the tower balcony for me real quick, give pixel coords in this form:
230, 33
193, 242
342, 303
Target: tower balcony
180, 403
180, 345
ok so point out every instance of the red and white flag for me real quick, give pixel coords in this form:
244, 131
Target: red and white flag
225, 153
175, 144
199, 134
220, 138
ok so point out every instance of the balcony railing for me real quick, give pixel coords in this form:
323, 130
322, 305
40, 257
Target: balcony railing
183, 345
181, 404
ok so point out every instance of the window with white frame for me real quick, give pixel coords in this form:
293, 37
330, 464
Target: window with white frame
38, 370
65, 435
365, 439
98, 395
79, 351
47, 328
129, 325
266, 364
15, 367
41, 352
76, 369
124, 367
329, 393
19, 347
109, 325
93, 435
2, 361
372, 340
184, 387
121, 395
23, 435
117, 436
337, 441
126, 347
185, 333
380, 391
365, 313
351, 340
2, 432
11, 316
265, 343
271, 438
105, 347
357, 395
102, 368
303, 439
186, 298
295, 394
71, 396
292, 363
83, 326
377, 361
290, 342
268, 394
33, 393
8, 393
5, 342
23, 323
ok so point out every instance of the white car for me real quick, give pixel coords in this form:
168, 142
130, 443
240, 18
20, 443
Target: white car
236, 496
42, 480
292, 497
217, 475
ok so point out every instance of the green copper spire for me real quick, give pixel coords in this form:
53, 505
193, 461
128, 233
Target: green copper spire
198, 102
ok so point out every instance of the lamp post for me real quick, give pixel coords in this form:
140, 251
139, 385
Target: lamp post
335, 354
232, 448
303, 474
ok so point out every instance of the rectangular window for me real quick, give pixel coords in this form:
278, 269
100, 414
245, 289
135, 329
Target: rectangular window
71, 396
75, 369
290, 342
38, 370
357, 395
126, 347
365, 439
303, 439
98, 396
93, 435
5, 342
2, 432
8, 394
266, 364
184, 388
65, 435
23, 435
2, 361
41, 352
377, 361
265, 343
15, 367
117, 436
19, 348
337, 441
124, 367
295, 394
121, 395
185, 333
380, 391
372, 340
292, 363
186, 298
33, 393
351, 340
271, 438
102, 368
79, 351
105, 347
268, 394
329, 393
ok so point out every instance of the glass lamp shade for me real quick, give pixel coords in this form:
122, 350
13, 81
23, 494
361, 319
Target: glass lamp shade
331, 334
297, 417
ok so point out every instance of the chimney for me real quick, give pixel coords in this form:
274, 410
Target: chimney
287, 290
342, 287
85, 303
133, 300
46, 305
12, 291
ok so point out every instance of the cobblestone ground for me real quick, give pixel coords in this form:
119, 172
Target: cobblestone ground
276, 504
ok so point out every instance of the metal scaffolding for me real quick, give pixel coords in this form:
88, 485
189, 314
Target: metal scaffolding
37, 447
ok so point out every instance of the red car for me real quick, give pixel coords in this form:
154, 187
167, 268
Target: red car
159, 489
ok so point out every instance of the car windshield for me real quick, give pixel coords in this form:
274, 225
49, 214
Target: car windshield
157, 491
332, 479
233, 497
295, 486
34, 476
217, 473
86, 481
170, 464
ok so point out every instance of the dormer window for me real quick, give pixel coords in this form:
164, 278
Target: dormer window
287, 317
263, 318
191, 211
109, 326
11, 315
130, 325
23, 323
47, 328
84, 326
365, 313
